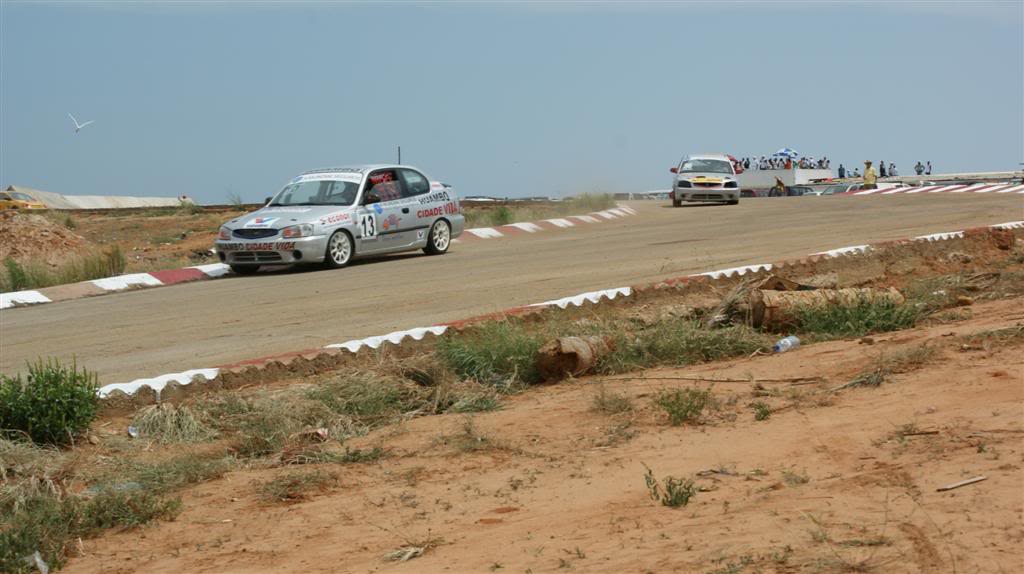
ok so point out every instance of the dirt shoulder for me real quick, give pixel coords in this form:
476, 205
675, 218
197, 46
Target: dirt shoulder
829, 482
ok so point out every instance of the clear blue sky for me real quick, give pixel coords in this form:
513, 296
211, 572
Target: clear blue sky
503, 99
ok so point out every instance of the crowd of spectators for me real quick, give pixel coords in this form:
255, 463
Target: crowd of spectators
774, 162
784, 163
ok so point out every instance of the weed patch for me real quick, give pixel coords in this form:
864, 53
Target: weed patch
902, 361
675, 342
296, 485
671, 491
470, 439
761, 410
610, 403
683, 405
19, 276
476, 403
168, 423
867, 316
500, 353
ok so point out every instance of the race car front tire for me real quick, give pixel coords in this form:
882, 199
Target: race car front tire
339, 250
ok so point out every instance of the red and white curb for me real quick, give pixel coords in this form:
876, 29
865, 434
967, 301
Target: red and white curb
215, 270
972, 188
157, 384
546, 224
113, 284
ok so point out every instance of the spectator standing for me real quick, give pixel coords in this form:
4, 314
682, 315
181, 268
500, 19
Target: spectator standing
870, 177
842, 171
892, 170
919, 168
881, 169
856, 172
928, 168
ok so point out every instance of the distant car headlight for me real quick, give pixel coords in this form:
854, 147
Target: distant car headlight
301, 230
224, 234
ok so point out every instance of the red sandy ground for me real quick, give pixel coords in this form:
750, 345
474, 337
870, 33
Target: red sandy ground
560, 489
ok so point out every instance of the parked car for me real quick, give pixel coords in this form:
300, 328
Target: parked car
18, 200
705, 177
331, 216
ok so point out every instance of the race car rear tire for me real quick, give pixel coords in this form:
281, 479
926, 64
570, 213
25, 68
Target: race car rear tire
339, 250
440, 238
244, 269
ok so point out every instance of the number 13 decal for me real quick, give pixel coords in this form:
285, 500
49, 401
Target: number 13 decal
368, 225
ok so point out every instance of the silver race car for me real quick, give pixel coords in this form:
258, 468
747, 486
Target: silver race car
331, 216
706, 177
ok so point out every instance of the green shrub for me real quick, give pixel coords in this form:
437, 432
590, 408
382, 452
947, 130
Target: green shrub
52, 406
16, 279
501, 216
502, 353
683, 405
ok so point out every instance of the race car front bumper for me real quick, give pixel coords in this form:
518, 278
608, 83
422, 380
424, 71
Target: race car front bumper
274, 252
706, 194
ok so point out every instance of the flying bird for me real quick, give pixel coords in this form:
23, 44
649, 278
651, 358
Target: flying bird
78, 126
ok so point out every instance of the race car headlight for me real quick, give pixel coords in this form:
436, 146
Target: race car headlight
683, 183
224, 234
301, 230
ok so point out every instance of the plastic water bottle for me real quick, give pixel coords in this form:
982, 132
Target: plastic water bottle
783, 345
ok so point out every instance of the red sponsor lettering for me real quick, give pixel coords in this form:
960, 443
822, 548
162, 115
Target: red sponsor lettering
447, 209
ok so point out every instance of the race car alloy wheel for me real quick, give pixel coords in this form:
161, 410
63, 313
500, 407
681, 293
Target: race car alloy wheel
440, 238
339, 250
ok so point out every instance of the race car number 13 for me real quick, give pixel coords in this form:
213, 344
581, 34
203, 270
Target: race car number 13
368, 225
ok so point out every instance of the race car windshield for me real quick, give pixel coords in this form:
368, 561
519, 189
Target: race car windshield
326, 192
706, 166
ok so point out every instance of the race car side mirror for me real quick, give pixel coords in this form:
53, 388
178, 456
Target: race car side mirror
267, 201
371, 198
674, 170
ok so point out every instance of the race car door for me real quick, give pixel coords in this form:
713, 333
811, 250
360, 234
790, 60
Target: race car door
424, 205
380, 214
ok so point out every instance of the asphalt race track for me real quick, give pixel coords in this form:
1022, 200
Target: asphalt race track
208, 323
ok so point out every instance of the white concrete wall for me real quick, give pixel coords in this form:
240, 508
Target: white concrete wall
765, 179
60, 201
